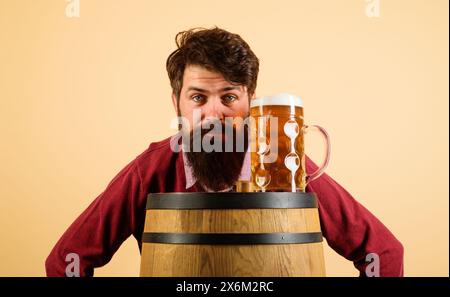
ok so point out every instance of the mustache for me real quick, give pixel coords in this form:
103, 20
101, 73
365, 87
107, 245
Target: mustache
216, 136
213, 124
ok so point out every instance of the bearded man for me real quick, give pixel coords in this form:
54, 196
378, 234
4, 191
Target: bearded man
213, 74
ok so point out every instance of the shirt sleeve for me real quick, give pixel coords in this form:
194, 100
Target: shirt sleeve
100, 230
351, 230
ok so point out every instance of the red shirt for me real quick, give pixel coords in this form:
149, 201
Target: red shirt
349, 228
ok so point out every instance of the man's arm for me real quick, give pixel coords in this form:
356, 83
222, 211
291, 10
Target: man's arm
99, 231
351, 230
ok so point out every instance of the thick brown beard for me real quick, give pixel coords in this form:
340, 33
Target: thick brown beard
217, 170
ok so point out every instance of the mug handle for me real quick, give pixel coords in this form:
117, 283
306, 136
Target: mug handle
321, 169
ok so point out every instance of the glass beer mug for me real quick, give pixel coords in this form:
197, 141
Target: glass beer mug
277, 145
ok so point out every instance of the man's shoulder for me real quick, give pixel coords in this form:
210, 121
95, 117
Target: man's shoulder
156, 150
159, 145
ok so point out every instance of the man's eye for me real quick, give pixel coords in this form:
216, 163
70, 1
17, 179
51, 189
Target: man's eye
197, 98
229, 98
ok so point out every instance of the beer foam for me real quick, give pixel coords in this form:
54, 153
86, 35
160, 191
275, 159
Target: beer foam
279, 99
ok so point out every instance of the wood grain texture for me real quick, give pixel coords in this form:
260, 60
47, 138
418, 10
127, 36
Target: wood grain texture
232, 260
160, 259
233, 220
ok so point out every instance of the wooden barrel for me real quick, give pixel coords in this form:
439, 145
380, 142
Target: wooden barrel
232, 234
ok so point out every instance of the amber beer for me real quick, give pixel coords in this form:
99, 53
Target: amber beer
278, 159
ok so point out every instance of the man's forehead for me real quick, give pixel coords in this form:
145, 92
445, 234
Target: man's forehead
200, 79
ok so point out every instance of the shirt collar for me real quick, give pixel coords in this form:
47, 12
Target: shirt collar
190, 178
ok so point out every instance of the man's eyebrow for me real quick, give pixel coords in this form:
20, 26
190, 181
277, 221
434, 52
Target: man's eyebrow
197, 89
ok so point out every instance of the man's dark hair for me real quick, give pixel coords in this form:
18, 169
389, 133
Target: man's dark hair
216, 50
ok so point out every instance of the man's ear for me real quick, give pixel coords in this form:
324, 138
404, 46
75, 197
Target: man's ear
175, 102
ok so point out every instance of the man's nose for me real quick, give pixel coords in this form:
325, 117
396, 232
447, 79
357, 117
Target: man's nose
214, 109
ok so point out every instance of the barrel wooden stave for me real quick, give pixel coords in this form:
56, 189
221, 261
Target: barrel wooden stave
232, 220
230, 260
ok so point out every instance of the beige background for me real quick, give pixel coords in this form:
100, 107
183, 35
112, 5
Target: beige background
81, 97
